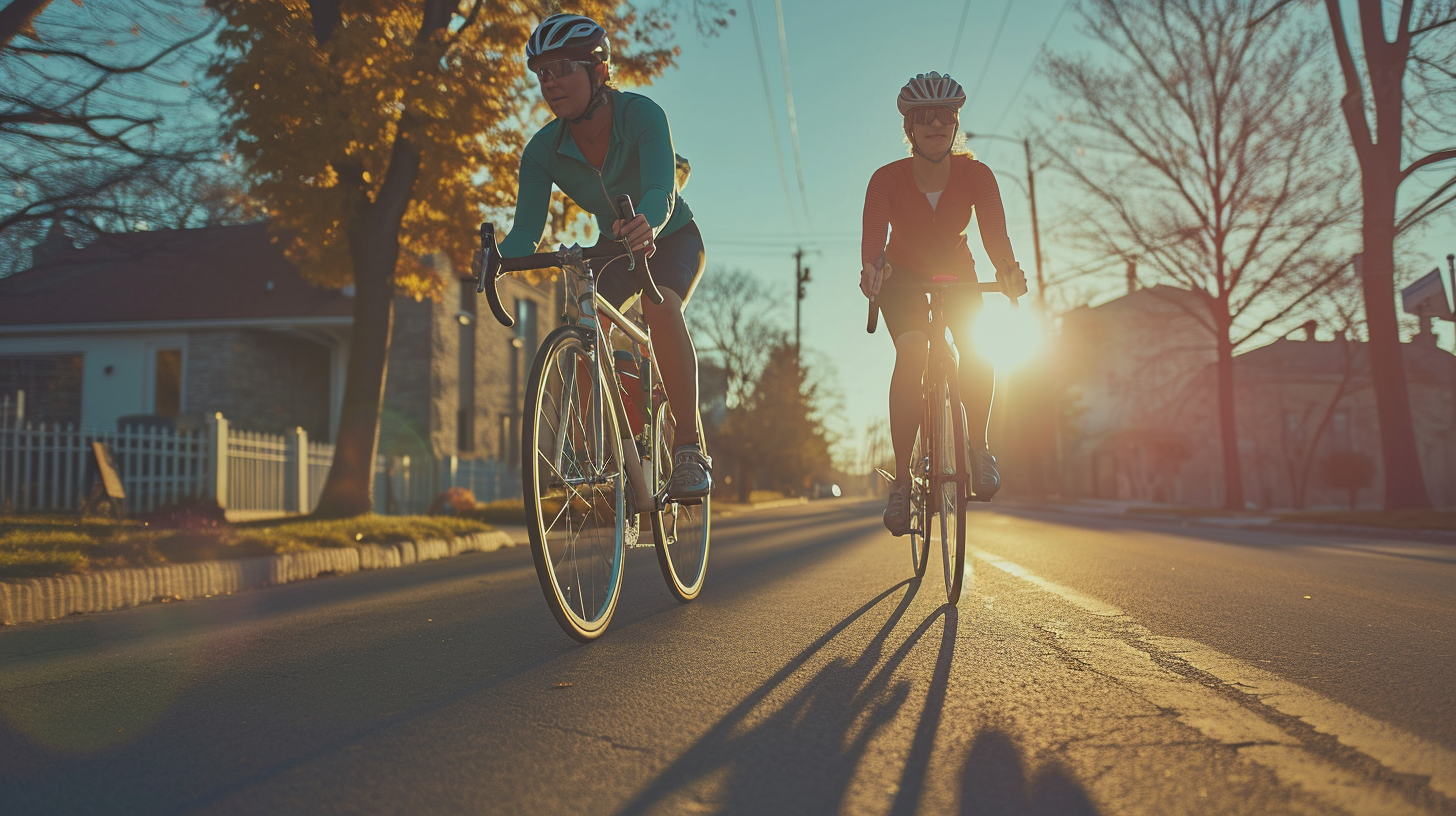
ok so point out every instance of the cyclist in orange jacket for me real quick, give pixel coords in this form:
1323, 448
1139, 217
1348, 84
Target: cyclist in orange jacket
925, 203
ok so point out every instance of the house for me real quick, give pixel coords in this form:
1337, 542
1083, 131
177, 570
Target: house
1128, 363
1141, 369
182, 324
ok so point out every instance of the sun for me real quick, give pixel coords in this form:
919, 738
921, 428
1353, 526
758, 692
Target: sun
1007, 336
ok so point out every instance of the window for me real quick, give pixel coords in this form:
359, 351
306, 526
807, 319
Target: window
465, 388
51, 382
526, 324
168, 395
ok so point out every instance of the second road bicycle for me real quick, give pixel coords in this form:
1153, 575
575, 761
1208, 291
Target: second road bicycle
940, 462
596, 443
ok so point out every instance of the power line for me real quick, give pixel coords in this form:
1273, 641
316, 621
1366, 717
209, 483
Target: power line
773, 119
995, 41
793, 119
960, 30
1024, 77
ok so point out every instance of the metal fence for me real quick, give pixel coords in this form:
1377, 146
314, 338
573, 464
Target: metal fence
50, 469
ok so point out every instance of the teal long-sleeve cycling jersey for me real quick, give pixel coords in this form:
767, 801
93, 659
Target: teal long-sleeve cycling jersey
640, 162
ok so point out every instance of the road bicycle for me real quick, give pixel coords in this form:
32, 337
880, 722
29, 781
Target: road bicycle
596, 444
940, 462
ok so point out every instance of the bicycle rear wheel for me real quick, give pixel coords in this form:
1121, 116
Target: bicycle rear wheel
574, 489
949, 482
680, 529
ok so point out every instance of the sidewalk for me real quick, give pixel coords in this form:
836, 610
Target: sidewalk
1209, 517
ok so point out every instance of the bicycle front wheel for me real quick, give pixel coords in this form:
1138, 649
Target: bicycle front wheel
948, 468
573, 486
681, 529
919, 503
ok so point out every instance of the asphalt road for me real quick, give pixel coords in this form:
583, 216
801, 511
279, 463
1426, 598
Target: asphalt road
1092, 667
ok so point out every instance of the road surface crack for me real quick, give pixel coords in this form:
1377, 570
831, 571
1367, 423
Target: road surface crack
611, 743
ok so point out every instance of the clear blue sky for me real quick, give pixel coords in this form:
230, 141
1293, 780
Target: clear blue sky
847, 65
847, 61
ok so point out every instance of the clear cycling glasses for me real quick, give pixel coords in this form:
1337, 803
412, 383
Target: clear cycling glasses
558, 69
935, 115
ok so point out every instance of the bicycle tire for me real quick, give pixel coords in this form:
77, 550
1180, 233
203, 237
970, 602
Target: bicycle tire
919, 518
949, 482
680, 530
579, 554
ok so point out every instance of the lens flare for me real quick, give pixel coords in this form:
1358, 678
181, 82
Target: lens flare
1006, 336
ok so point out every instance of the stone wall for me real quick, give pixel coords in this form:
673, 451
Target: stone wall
260, 380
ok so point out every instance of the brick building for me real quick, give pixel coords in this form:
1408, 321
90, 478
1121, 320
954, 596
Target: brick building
1141, 370
184, 323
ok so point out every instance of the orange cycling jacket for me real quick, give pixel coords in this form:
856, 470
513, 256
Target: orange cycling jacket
932, 241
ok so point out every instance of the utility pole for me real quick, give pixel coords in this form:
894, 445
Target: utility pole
801, 277
1030, 194
1035, 228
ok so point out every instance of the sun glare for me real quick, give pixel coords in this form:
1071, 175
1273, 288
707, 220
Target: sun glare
1006, 336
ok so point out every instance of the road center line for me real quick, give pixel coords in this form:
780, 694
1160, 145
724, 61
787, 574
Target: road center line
1222, 719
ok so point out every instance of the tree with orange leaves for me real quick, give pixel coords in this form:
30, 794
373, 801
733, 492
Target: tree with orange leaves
378, 132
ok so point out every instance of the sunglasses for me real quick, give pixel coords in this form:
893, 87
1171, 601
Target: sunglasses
935, 115
559, 69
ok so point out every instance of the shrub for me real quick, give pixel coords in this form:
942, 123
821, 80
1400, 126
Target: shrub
457, 501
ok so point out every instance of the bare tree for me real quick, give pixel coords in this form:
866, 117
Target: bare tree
101, 120
1411, 84
736, 320
1202, 141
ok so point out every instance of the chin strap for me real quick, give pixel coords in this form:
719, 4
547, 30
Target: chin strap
598, 101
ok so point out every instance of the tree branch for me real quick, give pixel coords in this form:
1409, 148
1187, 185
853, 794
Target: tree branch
1439, 156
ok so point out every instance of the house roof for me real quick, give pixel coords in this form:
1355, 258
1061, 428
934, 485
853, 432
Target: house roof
1285, 358
212, 273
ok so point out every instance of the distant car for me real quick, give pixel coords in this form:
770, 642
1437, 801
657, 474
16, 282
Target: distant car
825, 490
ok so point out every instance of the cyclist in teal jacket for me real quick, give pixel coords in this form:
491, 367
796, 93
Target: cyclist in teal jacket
603, 143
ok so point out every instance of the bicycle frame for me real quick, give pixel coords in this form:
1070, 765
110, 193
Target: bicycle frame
598, 319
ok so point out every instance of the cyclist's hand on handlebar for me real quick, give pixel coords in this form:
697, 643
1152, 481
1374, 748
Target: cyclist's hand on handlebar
871, 279
638, 234
1012, 280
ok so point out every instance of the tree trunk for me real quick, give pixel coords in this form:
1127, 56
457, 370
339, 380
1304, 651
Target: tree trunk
1233, 476
18, 16
374, 244
1405, 486
1380, 177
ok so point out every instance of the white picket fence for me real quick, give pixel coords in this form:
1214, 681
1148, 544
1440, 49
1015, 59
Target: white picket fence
45, 468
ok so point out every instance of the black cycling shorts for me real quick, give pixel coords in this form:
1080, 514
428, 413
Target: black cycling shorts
905, 307
677, 264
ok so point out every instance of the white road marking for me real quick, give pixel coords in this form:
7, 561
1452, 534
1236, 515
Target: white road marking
1220, 718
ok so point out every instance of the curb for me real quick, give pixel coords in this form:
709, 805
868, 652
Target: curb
39, 599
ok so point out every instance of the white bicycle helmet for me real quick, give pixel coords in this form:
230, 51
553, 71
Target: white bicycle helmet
568, 36
931, 90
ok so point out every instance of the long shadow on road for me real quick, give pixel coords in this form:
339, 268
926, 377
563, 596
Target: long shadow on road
802, 758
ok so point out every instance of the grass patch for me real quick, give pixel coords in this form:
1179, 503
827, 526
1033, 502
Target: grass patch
501, 511
1393, 519
40, 546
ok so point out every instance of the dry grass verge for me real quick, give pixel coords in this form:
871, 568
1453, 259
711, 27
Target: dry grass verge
41, 546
